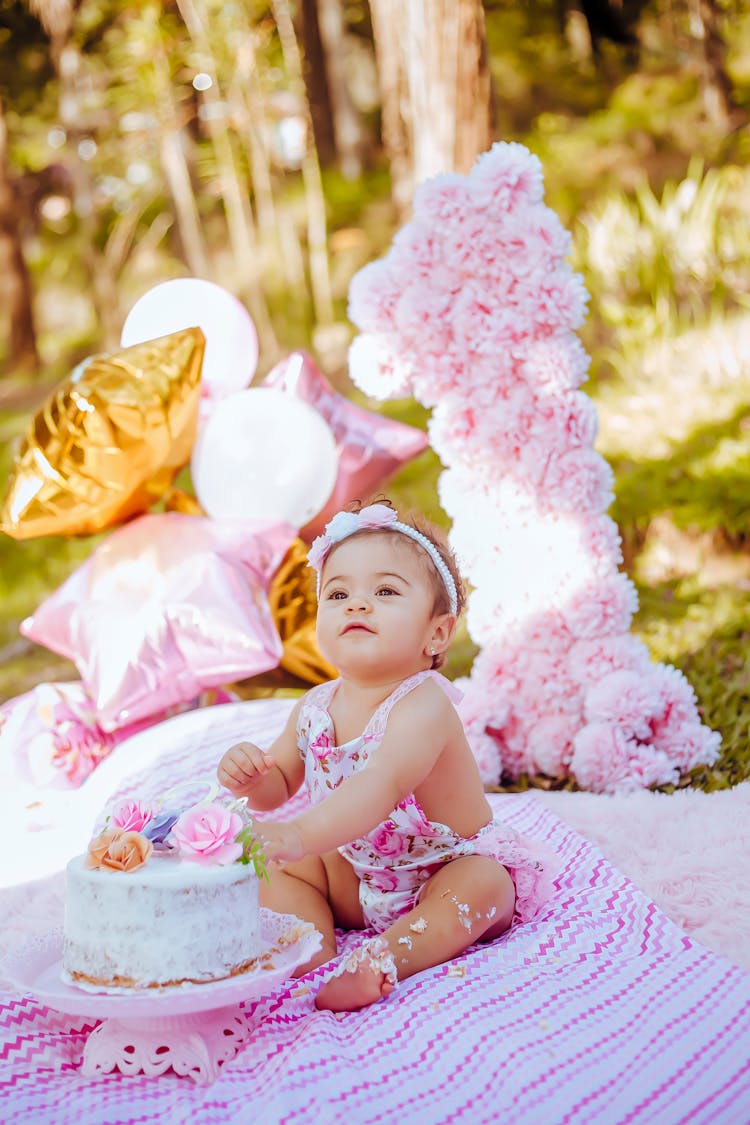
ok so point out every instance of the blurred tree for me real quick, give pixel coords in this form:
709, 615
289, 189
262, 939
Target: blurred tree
705, 17
22, 38
434, 86
347, 126
17, 292
316, 80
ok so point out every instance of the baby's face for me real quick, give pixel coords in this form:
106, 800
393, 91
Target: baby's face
375, 613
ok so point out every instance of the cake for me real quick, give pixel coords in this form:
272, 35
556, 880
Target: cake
153, 910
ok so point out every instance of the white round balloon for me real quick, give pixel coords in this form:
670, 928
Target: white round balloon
231, 354
263, 454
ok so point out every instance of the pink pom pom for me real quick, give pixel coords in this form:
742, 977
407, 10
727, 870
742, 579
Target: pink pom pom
627, 699
441, 200
590, 659
559, 363
605, 606
550, 745
506, 176
373, 293
377, 368
601, 759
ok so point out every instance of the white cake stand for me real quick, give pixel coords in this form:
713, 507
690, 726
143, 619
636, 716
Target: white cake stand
193, 1029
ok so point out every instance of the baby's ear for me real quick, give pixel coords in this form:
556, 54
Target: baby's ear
442, 631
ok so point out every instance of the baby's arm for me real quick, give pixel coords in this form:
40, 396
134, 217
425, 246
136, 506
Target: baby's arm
414, 740
267, 778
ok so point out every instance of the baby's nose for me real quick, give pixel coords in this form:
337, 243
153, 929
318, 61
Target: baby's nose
358, 603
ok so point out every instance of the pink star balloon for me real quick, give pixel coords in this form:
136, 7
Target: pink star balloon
168, 605
371, 448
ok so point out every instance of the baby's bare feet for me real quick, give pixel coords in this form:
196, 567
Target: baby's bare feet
365, 975
353, 990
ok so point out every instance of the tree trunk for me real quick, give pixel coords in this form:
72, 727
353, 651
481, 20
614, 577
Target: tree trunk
434, 88
316, 81
104, 292
17, 298
715, 85
317, 245
234, 195
347, 126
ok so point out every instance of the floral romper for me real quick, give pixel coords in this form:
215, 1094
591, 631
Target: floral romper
396, 858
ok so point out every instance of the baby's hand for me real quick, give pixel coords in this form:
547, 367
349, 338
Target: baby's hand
243, 766
279, 841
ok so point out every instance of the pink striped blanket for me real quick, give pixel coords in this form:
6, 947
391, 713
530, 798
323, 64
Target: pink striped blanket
600, 1011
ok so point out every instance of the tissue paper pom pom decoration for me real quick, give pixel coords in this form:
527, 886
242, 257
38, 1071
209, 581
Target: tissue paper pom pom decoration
474, 311
166, 606
377, 369
505, 177
550, 745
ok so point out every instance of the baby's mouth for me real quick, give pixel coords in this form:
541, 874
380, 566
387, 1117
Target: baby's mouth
357, 626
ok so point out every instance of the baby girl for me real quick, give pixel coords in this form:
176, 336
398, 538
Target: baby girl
399, 837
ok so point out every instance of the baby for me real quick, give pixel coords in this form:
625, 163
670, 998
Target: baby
400, 836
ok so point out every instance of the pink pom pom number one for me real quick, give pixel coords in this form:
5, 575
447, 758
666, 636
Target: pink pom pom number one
474, 312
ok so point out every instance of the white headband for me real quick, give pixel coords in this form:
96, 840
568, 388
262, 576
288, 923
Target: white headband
377, 517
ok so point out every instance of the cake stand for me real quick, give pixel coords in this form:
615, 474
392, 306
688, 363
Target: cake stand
193, 1029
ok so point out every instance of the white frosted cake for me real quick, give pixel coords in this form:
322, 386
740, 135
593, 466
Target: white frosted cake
145, 915
168, 922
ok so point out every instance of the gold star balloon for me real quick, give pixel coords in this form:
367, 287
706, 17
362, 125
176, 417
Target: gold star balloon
293, 603
109, 441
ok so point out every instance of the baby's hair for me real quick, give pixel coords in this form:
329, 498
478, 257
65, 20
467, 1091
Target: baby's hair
437, 537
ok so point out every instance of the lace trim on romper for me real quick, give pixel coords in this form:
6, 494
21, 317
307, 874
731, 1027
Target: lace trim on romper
396, 858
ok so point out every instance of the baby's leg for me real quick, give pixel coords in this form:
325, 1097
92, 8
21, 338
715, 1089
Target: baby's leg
470, 898
323, 890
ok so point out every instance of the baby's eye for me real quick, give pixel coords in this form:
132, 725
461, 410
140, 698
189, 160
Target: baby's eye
336, 595
386, 590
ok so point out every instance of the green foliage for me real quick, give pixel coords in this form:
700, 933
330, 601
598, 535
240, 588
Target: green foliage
655, 266
252, 852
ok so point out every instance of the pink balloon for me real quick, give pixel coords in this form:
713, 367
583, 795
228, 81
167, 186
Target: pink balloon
50, 737
168, 605
370, 447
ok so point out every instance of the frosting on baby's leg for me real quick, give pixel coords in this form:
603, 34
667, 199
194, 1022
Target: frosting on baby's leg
364, 975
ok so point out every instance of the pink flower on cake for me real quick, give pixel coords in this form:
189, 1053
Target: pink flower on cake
208, 834
132, 816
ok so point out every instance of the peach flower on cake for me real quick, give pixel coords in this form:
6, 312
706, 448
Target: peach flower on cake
118, 850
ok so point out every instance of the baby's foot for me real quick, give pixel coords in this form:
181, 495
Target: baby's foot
367, 974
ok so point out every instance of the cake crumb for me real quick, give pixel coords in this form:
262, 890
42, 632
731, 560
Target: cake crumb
456, 971
406, 940
419, 926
